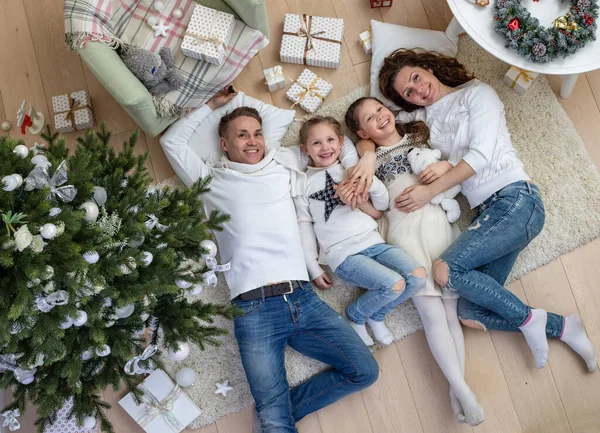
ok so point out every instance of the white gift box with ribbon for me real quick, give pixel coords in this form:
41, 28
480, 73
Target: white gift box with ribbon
309, 91
165, 407
312, 40
366, 41
274, 78
519, 79
208, 34
72, 112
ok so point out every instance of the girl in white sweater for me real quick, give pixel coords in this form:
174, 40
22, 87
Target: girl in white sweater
467, 123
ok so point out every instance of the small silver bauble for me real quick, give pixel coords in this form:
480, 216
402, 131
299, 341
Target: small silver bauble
152, 20
181, 354
54, 211
48, 231
125, 311
66, 324
91, 211
21, 151
87, 354
33, 283
6, 125
81, 318
49, 272
11, 182
137, 241
105, 351
196, 289
177, 13
147, 258
185, 377
40, 160
89, 422
210, 247
183, 284
27, 380
159, 6
100, 196
91, 257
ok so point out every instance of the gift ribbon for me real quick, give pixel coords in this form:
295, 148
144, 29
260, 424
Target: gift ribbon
275, 73
132, 367
311, 90
152, 222
369, 38
305, 32
39, 177
210, 277
155, 407
47, 303
27, 121
208, 38
522, 73
72, 108
10, 419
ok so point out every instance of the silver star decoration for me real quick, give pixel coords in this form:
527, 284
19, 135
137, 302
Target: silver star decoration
223, 388
160, 29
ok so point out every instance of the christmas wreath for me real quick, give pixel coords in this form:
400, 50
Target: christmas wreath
524, 34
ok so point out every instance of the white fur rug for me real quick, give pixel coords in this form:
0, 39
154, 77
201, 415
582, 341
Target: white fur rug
554, 156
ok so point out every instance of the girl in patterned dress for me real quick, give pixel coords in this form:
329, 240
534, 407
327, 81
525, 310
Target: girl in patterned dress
424, 234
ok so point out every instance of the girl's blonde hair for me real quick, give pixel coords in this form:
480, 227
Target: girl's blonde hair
318, 120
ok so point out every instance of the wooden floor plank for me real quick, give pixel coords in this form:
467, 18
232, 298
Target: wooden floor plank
309, 424
3, 117
239, 422
409, 13
438, 14
348, 415
252, 80
160, 163
363, 73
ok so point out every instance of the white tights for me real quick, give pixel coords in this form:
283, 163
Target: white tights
447, 344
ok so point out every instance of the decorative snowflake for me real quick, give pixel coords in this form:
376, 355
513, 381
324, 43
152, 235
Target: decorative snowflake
396, 165
109, 225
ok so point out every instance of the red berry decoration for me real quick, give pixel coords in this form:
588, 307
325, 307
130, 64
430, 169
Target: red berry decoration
588, 20
513, 24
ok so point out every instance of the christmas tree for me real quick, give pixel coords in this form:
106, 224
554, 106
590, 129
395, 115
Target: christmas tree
94, 267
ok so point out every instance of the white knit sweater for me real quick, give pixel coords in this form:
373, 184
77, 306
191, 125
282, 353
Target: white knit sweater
469, 124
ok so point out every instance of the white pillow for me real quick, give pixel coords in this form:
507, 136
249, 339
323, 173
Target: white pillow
276, 121
387, 38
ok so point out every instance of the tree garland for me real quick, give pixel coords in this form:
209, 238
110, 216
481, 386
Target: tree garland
524, 34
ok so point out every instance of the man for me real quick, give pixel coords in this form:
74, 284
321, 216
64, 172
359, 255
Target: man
268, 276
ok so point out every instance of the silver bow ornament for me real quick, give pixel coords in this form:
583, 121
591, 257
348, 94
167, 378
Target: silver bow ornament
133, 365
39, 178
9, 363
152, 222
10, 419
163, 408
47, 303
210, 277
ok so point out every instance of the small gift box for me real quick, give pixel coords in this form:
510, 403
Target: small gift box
365, 41
315, 41
72, 112
309, 91
274, 78
207, 35
67, 425
519, 79
381, 3
164, 409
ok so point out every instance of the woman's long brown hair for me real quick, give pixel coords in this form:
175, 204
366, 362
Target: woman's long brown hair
417, 128
446, 69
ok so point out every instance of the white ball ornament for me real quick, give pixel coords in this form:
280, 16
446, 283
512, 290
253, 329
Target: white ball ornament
105, 351
152, 20
124, 312
91, 257
91, 211
27, 380
49, 272
49, 287
137, 241
89, 422
100, 195
185, 377
11, 182
183, 284
181, 354
40, 160
48, 231
159, 6
196, 289
209, 246
81, 318
177, 13
66, 324
6, 125
87, 354
21, 151
147, 258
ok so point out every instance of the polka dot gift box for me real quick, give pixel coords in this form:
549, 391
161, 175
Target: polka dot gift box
72, 112
207, 35
309, 91
67, 425
315, 41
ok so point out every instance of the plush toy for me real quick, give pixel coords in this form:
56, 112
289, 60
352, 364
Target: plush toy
420, 159
156, 71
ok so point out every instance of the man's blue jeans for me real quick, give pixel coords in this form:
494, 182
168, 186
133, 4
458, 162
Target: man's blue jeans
311, 327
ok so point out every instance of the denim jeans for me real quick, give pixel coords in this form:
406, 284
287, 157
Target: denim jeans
481, 259
311, 327
377, 269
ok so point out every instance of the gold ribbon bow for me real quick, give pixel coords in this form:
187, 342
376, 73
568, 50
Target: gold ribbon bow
305, 32
72, 108
369, 38
208, 38
274, 73
522, 73
155, 407
310, 90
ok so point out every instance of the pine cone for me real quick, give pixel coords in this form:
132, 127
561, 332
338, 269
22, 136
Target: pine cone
539, 49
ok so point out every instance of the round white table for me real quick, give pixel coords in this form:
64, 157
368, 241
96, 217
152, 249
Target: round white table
479, 23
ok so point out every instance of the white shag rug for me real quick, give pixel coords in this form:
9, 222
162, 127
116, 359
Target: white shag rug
554, 156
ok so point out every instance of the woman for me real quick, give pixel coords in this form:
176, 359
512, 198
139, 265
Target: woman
467, 123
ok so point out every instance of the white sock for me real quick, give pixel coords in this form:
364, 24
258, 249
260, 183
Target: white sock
574, 335
381, 332
535, 335
361, 330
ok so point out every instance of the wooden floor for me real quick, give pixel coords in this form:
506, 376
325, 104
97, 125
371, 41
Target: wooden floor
411, 395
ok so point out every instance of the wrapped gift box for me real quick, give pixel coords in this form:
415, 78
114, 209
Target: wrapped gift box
315, 41
160, 391
366, 41
72, 112
381, 3
67, 425
309, 91
274, 78
207, 35
519, 79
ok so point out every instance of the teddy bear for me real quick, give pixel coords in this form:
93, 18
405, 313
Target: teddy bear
156, 71
421, 158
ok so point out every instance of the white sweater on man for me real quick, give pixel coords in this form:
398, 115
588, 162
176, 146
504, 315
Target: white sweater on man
340, 231
262, 239
469, 124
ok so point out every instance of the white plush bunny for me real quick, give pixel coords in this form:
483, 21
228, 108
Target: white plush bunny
420, 159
